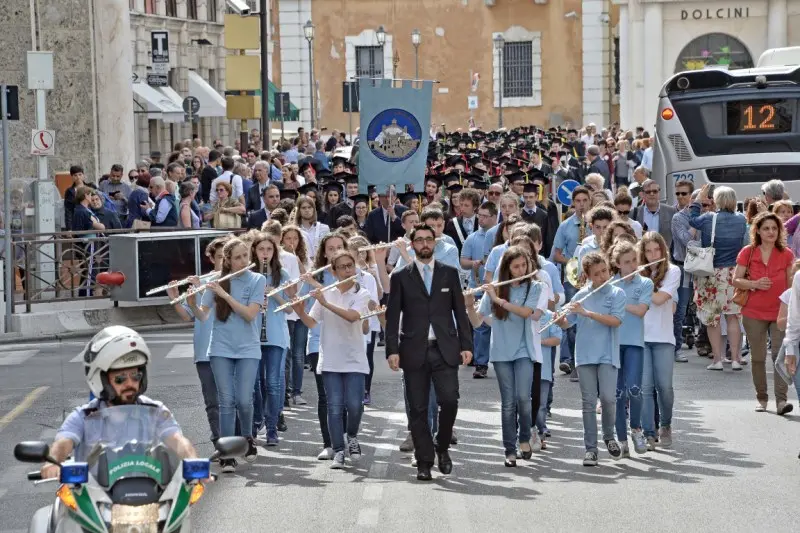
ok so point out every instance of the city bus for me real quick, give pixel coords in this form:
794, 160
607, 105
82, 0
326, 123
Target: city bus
739, 128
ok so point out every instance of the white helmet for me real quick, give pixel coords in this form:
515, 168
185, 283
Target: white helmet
114, 348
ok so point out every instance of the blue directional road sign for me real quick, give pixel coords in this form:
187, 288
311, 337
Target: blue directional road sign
564, 192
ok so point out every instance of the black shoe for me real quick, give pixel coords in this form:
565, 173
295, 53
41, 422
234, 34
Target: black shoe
282, 423
424, 473
445, 463
453, 438
382, 343
252, 452
565, 367
228, 466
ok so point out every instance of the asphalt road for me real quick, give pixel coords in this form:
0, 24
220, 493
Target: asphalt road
731, 469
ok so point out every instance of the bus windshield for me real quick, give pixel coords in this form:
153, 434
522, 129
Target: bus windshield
739, 128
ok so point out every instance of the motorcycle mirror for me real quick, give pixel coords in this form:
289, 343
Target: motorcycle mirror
231, 446
32, 452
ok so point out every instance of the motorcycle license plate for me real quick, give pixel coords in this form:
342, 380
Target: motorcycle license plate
144, 516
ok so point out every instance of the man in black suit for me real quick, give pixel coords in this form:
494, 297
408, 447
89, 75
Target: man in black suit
209, 173
379, 219
469, 201
531, 211
597, 165
428, 294
261, 181
345, 207
272, 198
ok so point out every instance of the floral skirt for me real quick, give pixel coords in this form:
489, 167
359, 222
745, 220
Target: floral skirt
714, 296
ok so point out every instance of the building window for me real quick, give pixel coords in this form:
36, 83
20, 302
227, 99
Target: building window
518, 69
212, 10
714, 50
616, 66
150, 7
172, 8
191, 9
369, 62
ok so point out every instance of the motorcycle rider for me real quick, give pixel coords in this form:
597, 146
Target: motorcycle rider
115, 363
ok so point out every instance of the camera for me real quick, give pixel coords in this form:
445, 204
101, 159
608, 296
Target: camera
240, 6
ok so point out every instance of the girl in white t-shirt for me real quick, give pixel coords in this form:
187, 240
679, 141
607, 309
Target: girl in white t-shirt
368, 278
659, 340
295, 260
343, 357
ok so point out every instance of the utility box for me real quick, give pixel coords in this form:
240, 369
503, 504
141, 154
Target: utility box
150, 260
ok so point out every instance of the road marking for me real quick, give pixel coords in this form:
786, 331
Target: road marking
16, 357
181, 351
3, 493
378, 470
368, 517
373, 492
77, 359
23, 405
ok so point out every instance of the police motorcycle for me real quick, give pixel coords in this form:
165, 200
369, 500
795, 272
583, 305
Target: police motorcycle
130, 482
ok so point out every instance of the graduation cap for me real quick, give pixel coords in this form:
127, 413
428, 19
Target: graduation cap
308, 187
360, 198
515, 177
332, 186
456, 160
407, 197
537, 188
339, 158
480, 184
345, 177
289, 193
309, 162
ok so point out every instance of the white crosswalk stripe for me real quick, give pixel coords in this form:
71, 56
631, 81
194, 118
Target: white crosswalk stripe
15, 357
181, 351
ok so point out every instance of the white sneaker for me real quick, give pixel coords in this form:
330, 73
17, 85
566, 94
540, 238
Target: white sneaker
735, 365
639, 442
262, 433
298, 400
338, 461
727, 360
625, 451
413, 462
745, 359
536, 443
715, 366
325, 455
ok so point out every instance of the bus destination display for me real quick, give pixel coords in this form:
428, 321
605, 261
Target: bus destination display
759, 117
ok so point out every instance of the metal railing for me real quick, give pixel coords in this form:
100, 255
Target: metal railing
63, 266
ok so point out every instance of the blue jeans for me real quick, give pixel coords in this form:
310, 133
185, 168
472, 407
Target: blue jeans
480, 339
298, 337
235, 380
433, 408
659, 360
343, 389
684, 297
515, 379
568, 340
269, 390
629, 389
545, 392
597, 380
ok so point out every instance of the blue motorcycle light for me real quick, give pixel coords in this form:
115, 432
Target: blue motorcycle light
74, 473
196, 469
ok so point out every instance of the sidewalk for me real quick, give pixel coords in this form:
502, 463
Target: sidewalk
61, 320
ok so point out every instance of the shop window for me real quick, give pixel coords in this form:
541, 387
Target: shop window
714, 50
518, 69
369, 61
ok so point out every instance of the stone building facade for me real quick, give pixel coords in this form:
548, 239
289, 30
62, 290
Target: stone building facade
559, 57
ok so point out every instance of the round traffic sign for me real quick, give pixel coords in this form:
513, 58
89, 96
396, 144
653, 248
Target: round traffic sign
564, 192
191, 105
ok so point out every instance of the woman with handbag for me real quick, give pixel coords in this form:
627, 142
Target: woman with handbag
722, 235
763, 273
227, 212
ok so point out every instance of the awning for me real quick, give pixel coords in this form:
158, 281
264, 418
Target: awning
294, 113
212, 104
157, 104
175, 98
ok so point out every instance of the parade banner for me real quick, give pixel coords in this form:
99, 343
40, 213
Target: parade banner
395, 120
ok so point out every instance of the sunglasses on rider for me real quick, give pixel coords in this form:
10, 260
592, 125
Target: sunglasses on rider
136, 377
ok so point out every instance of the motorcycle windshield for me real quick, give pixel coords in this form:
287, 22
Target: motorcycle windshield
124, 443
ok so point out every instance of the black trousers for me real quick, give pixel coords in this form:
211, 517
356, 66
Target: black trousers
418, 384
536, 388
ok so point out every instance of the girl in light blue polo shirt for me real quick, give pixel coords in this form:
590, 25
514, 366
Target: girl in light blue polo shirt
638, 294
514, 347
550, 338
597, 352
274, 336
235, 350
202, 336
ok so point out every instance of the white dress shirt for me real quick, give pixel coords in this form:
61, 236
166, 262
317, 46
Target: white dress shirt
420, 268
792, 337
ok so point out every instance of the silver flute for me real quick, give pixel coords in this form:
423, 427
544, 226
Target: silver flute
379, 311
501, 283
194, 290
307, 296
289, 284
383, 245
567, 309
180, 283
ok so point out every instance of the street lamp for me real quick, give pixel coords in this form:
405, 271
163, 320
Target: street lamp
380, 34
308, 30
416, 39
499, 43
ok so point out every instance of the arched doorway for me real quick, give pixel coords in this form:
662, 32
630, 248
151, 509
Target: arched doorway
712, 50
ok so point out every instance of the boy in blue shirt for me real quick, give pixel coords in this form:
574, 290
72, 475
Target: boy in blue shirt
597, 352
